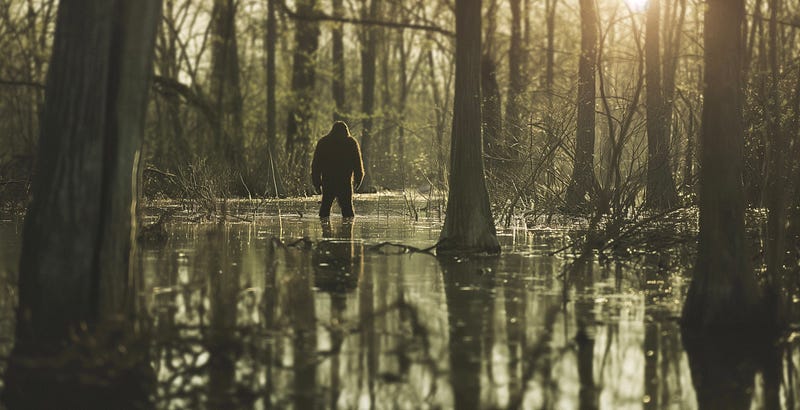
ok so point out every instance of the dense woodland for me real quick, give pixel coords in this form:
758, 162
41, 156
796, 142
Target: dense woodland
612, 110
242, 90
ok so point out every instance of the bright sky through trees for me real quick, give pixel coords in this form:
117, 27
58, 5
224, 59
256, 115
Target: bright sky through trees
636, 5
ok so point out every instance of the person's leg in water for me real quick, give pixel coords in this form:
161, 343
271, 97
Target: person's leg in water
327, 202
345, 200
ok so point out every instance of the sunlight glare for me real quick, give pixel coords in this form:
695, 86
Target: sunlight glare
637, 5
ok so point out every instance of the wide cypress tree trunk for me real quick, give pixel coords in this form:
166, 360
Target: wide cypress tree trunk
583, 179
723, 290
79, 227
468, 225
78, 236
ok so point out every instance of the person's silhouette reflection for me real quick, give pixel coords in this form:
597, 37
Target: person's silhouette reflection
338, 264
469, 297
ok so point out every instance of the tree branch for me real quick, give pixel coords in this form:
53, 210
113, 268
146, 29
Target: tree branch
364, 21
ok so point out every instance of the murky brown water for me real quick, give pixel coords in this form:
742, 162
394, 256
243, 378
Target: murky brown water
242, 321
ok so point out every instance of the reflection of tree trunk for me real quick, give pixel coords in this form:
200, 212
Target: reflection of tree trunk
302, 316
368, 360
584, 306
723, 290
722, 372
76, 250
223, 286
468, 224
515, 327
583, 179
269, 305
467, 295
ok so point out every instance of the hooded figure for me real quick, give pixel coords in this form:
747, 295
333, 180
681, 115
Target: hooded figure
336, 167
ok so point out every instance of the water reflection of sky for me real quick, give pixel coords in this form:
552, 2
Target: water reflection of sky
242, 322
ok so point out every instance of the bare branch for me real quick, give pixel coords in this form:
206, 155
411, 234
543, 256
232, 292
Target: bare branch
364, 21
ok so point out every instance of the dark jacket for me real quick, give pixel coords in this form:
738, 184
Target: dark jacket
337, 164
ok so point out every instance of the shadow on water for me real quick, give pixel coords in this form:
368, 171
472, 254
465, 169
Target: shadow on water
243, 315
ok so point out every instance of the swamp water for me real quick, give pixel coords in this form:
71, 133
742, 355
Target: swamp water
243, 315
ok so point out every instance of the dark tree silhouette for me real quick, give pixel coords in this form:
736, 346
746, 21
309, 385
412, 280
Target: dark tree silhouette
76, 253
468, 225
661, 192
723, 291
583, 179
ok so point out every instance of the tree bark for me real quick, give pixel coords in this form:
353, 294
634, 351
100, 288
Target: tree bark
661, 192
78, 235
583, 178
468, 225
723, 290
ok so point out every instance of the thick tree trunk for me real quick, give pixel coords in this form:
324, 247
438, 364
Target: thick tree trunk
338, 83
661, 192
583, 178
78, 236
369, 52
468, 225
723, 290
225, 90
298, 128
